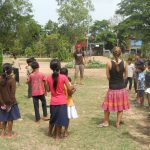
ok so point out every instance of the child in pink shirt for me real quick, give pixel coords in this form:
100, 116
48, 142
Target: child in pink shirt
38, 83
58, 103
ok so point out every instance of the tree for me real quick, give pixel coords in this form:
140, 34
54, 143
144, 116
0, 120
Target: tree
137, 16
39, 48
103, 32
74, 18
51, 27
12, 13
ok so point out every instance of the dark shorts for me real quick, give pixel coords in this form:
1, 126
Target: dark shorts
141, 93
13, 114
59, 115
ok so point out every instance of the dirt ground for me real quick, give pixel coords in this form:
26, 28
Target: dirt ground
44, 67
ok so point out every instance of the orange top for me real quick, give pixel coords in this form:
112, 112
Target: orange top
69, 98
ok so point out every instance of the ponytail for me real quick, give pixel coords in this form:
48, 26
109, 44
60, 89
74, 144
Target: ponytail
55, 79
55, 66
116, 53
116, 64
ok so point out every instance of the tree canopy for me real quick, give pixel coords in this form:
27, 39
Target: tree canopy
102, 31
74, 18
12, 14
137, 18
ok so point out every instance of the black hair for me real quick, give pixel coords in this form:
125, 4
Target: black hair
7, 70
55, 66
30, 60
64, 71
34, 65
141, 67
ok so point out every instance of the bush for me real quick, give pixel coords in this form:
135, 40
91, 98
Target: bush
95, 64
64, 55
28, 51
69, 65
91, 65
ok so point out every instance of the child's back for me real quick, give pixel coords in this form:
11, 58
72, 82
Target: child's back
58, 96
7, 90
9, 110
37, 81
38, 84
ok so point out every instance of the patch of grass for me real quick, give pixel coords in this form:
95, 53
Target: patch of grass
90, 65
83, 132
95, 64
69, 65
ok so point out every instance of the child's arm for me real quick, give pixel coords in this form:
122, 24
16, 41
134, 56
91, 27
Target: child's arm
107, 70
72, 92
28, 80
45, 86
70, 88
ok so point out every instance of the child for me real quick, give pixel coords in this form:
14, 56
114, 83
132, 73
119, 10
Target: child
147, 83
58, 104
9, 110
72, 113
141, 84
130, 73
38, 83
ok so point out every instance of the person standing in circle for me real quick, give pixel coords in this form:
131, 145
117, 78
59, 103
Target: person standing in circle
116, 99
9, 110
79, 64
16, 67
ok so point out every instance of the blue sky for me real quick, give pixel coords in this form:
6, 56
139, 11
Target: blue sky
43, 10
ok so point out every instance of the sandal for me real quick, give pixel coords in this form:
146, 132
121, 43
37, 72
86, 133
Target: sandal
102, 125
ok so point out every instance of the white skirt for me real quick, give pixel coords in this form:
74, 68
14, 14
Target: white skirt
72, 113
147, 91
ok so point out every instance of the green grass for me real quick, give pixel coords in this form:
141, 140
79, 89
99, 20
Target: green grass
83, 132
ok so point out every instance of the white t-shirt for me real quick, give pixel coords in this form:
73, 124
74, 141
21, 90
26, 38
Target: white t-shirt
130, 70
16, 63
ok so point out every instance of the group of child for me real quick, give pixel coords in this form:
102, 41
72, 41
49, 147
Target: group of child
58, 83
140, 72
